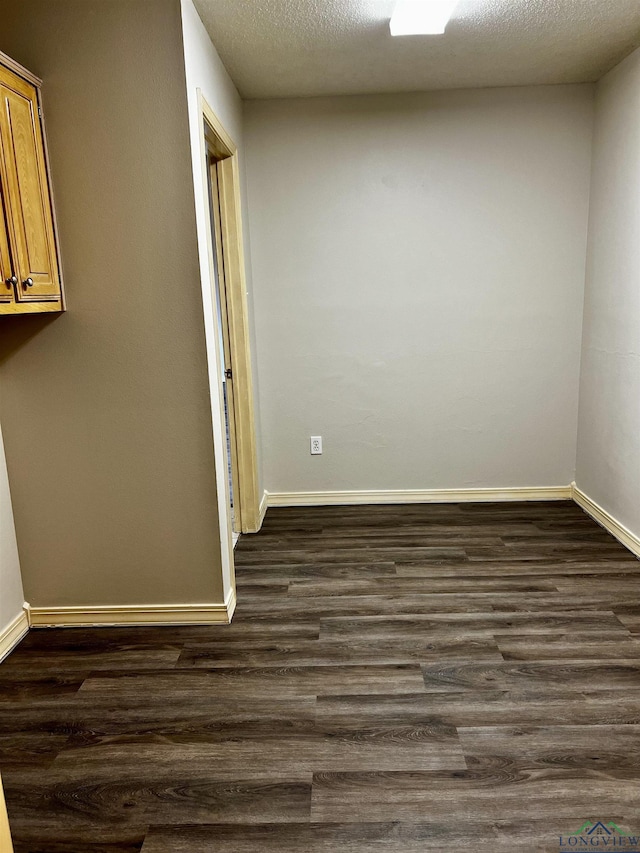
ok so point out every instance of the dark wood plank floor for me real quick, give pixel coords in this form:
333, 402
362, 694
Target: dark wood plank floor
421, 678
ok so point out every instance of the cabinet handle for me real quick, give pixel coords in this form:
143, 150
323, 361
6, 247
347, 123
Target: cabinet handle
10, 281
28, 282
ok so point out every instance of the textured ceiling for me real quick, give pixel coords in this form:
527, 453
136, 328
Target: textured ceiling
290, 48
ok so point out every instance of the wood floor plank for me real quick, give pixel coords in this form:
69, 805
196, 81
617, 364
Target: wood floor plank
18, 684
519, 567
601, 748
260, 682
320, 571
348, 837
473, 623
304, 653
85, 846
570, 646
316, 748
429, 585
36, 662
135, 801
390, 603
405, 538
359, 837
364, 605
528, 552
87, 716
266, 624
490, 708
489, 793
27, 749
500, 836
546, 678
381, 554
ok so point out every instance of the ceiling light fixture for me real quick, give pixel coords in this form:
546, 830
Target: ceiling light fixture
421, 17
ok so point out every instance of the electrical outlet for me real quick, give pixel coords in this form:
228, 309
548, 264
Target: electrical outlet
316, 445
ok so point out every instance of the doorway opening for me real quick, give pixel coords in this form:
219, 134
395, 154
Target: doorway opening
226, 261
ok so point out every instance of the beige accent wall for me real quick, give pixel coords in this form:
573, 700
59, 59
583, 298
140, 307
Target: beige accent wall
11, 594
105, 410
608, 468
418, 265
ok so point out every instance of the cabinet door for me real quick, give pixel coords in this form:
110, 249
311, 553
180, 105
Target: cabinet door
6, 284
28, 199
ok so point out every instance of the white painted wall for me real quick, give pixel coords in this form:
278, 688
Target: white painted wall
11, 594
608, 467
205, 71
418, 265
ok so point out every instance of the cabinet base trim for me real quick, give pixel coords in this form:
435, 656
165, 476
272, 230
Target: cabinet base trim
16, 308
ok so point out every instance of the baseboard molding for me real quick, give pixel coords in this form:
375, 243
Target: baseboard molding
606, 520
13, 633
418, 496
134, 615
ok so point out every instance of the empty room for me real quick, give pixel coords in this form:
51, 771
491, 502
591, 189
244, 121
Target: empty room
320, 426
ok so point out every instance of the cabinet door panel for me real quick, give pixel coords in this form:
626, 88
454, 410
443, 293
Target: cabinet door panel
31, 232
6, 289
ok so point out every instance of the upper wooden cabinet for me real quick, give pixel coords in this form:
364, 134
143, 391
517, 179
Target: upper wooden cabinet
29, 256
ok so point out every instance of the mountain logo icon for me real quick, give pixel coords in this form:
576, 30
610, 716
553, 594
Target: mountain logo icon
600, 834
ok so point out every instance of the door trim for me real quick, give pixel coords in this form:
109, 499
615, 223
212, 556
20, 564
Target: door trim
226, 152
5, 832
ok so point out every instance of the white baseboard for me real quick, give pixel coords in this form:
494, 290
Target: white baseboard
606, 520
13, 633
418, 496
133, 615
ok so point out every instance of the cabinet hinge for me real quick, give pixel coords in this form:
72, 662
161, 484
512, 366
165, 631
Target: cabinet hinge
39, 111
